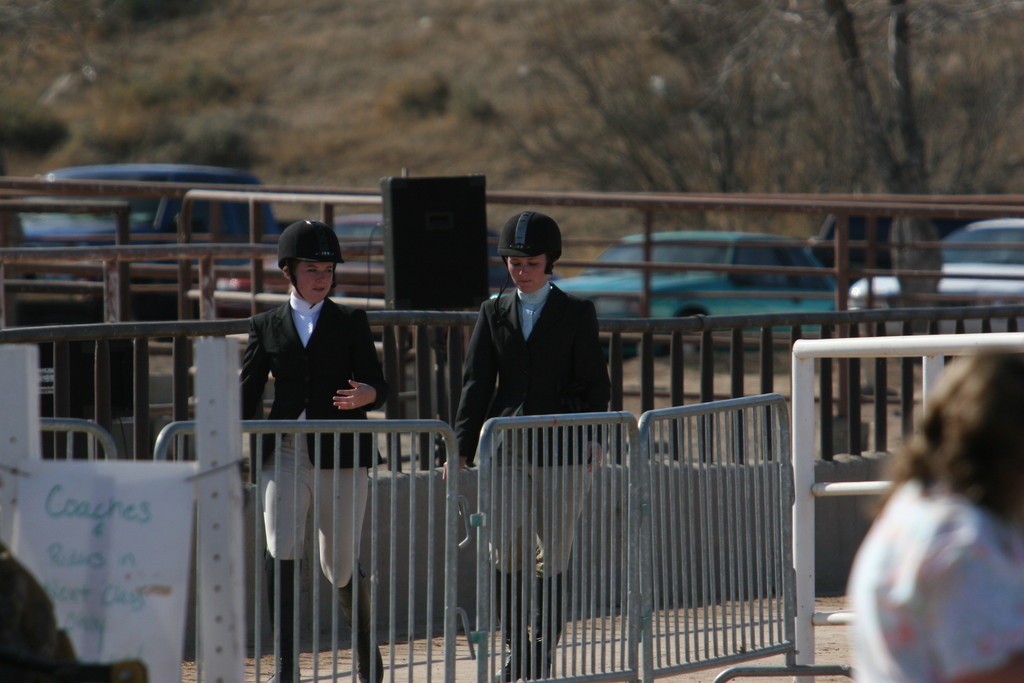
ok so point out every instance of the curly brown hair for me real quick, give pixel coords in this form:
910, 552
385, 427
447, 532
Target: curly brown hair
971, 439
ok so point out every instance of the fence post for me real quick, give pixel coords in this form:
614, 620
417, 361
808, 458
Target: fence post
19, 423
802, 434
219, 527
931, 371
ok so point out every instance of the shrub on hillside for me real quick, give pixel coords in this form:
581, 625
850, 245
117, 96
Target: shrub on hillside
420, 97
154, 10
470, 104
217, 139
195, 82
122, 135
29, 128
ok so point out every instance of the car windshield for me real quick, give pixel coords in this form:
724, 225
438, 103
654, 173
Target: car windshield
660, 253
142, 211
370, 227
1007, 246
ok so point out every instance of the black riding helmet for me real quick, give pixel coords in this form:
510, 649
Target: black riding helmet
308, 241
531, 233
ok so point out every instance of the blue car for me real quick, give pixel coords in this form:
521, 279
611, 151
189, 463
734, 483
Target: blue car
706, 284
153, 219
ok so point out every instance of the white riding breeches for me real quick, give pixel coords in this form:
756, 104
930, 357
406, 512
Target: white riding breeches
534, 513
291, 487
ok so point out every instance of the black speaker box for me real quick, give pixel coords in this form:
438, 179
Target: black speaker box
435, 242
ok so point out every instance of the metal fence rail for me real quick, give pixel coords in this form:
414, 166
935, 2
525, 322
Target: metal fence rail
708, 358
98, 443
646, 207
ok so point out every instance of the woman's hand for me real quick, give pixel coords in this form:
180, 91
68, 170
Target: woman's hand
358, 396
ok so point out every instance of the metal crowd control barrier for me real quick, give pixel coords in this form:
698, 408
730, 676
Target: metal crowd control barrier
558, 546
606, 550
401, 552
719, 586
98, 440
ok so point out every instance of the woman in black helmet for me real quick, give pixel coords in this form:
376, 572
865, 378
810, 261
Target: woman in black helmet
325, 366
534, 351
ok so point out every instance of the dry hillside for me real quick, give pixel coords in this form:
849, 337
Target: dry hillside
319, 92
328, 93
594, 94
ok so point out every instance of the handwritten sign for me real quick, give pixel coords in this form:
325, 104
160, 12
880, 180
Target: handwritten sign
110, 542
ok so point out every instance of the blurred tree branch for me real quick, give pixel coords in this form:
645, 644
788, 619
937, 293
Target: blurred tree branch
748, 95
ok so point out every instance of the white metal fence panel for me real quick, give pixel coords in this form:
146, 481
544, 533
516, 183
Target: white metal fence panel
706, 481
719, 585
558, 538
397, 592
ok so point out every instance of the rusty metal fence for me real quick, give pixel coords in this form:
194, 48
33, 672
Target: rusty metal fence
648, 206
707, 358
139, 374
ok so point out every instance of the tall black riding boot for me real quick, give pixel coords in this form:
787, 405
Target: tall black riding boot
369, 663
547, 624
284, 626
514, 624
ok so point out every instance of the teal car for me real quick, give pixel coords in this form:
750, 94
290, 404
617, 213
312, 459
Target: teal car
708, 273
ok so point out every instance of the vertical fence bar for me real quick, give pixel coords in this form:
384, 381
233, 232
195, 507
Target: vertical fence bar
677, 367
736, 363
140, 399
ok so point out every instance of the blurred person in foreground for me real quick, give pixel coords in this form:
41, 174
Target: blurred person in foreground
937, 587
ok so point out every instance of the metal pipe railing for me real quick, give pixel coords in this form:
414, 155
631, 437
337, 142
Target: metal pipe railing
422, 352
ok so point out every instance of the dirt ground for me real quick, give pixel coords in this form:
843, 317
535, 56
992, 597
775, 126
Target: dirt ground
831, 647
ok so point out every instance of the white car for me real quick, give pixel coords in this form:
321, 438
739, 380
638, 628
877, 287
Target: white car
992, 273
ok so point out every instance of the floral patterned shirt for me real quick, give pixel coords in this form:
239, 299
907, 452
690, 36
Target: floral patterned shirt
937, 590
